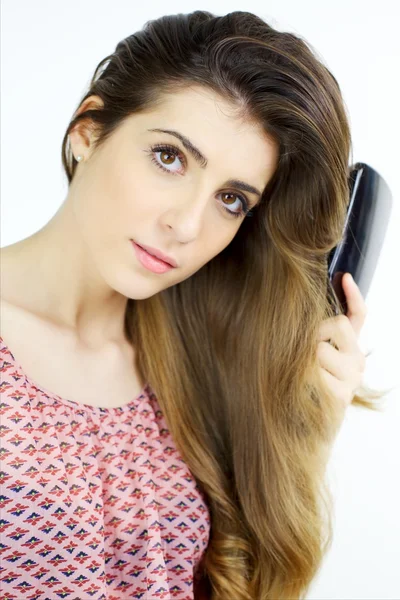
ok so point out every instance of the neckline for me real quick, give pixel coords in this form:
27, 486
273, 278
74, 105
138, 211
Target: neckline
73, 403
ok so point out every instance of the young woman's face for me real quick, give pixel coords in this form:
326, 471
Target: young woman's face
146, 186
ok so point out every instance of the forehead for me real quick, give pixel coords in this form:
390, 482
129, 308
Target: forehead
233, 145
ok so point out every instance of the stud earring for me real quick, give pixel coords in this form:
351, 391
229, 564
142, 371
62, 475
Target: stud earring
79, 158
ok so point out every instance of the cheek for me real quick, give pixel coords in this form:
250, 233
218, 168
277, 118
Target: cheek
212, 246
137, 200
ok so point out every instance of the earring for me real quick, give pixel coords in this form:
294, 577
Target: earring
79, 158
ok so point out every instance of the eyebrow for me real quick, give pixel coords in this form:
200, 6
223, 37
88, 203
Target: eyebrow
203, 162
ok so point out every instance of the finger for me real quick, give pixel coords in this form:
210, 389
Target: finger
340, 331
356, 307
336, 388
332, 361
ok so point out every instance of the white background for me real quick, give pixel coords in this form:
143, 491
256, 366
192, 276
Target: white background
49, 50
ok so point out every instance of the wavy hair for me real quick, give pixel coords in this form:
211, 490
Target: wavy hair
230, 352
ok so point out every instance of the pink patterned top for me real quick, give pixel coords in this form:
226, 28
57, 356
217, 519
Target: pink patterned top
95, 503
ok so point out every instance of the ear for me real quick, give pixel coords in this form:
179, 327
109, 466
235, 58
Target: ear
83, 134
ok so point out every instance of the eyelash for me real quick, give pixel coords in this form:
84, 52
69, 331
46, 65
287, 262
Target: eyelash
175, 151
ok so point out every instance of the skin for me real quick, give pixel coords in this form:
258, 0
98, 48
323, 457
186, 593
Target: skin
80, 268
343, 367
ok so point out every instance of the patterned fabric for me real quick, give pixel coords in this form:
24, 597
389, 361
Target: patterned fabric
95, 503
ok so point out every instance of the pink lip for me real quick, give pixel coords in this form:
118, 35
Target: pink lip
150, 262
159, 254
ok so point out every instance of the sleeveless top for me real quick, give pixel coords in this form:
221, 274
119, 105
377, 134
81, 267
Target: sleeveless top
95, 503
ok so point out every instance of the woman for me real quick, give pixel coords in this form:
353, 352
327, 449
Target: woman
210, 482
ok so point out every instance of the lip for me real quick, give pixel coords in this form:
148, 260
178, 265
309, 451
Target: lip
158, 254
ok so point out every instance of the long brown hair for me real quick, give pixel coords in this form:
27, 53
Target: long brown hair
230, 352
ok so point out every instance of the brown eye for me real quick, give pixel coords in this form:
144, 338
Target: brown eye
243, 208
168, 156
229, 194
172, 157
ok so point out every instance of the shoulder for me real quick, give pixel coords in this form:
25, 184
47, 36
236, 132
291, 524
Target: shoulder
12, 275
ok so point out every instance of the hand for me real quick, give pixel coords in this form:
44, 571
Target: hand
342, 367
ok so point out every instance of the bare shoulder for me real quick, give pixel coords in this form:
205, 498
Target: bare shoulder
107, 378
20, 325
12, 275
17, 321
9, 300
